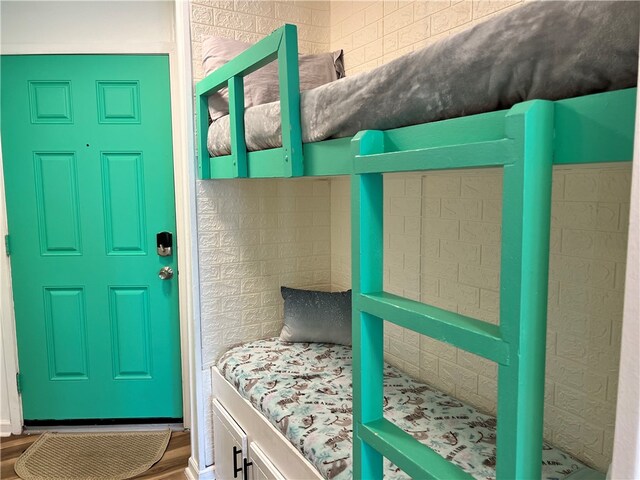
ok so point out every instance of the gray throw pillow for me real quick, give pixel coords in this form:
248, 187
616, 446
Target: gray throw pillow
261, 86
312, 316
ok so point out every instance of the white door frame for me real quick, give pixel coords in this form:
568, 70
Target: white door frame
8, 345
197, 468
626, 446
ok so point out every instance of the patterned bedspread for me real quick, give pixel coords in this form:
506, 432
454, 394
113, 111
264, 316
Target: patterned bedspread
304, 389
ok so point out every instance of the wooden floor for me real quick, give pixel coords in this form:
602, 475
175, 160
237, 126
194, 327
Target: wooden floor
170, 467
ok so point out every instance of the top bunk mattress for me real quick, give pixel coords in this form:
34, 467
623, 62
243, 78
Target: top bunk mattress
542, 50
304, 390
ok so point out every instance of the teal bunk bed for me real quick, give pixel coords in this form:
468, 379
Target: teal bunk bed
526, 140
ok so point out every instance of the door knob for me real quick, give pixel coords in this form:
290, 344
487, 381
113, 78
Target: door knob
166, 273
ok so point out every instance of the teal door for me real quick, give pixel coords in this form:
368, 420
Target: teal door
87, 153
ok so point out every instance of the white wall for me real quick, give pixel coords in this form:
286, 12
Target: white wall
99, 24
49, 27
626, 453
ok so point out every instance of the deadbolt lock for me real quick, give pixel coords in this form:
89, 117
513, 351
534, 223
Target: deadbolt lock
164, 243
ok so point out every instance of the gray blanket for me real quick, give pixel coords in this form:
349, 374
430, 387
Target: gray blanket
543, 50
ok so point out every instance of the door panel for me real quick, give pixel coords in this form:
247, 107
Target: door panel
130, 332
66, 327
124, 206
50, 102
56, 185
88, 174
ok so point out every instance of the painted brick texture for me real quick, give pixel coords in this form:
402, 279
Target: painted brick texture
251, 20
255, 236
375, 32
442, 247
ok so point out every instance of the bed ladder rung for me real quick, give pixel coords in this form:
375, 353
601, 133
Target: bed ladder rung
473, 335
414, 458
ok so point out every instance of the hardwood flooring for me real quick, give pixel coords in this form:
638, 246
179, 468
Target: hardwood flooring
170, 467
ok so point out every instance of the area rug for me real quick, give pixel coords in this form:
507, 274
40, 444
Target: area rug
92, 456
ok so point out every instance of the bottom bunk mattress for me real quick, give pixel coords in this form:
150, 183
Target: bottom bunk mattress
304, 389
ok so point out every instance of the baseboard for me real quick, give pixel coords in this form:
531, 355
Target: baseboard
5, 428
193, 473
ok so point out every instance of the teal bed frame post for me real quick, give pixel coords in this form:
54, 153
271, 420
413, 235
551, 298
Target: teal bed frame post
281, 45
289, 78
236, 120
202, 122
517, 344
367, 269
524, 268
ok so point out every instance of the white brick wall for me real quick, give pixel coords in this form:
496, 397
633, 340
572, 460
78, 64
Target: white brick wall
254, 236
375, 32
442, 247
251, 20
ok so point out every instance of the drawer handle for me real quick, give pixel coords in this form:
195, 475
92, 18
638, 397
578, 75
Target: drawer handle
247, 464
236, 470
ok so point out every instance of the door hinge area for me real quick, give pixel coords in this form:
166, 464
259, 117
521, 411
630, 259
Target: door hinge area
7, 245
19, 383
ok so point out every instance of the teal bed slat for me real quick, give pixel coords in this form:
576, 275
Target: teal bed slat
202, 122
267, 163
470, 155
236, 115
330, 157
289, 79
414, 458
222, 167
473, 335
595, 128
472, 129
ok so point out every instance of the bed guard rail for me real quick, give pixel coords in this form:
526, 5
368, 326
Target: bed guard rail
281, 45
